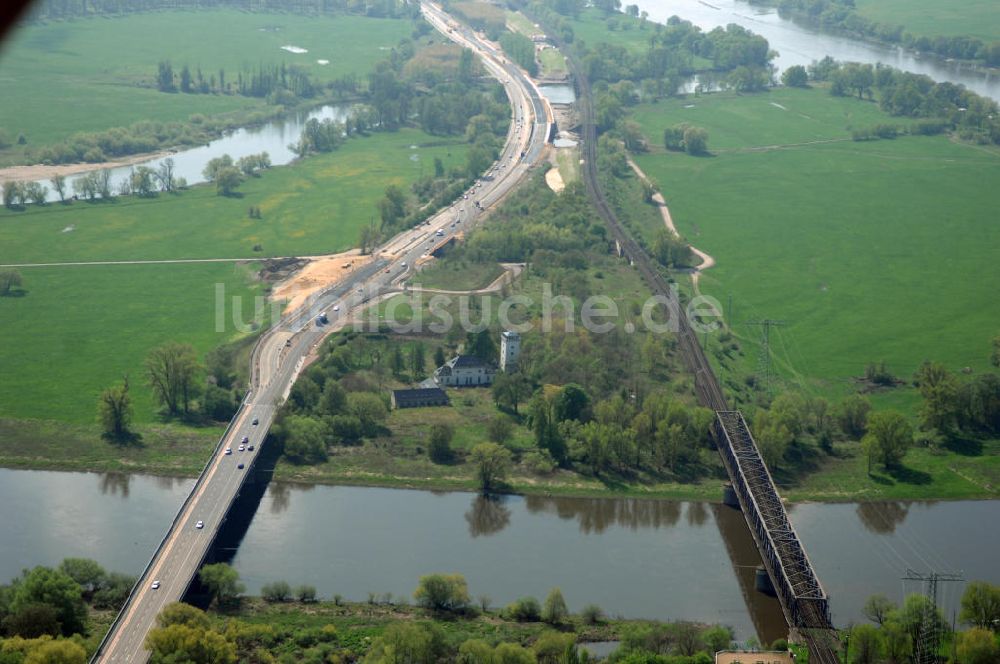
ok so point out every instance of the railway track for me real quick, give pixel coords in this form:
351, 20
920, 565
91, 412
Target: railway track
807, 606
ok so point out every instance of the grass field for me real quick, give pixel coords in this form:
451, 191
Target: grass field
458, 275
976, 18
97, 73
80, 329
868, 251
314, 206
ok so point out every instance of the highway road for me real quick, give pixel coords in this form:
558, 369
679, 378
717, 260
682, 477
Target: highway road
281, 352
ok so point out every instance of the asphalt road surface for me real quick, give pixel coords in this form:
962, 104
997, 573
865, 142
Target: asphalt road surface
280, 354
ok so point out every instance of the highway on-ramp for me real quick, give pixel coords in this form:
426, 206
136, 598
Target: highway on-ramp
280, 354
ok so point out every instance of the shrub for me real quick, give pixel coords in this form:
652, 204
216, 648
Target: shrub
278, 591
592, 614
525, 609
442, 592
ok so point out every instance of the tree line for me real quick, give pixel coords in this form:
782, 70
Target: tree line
280, 83
62, 9
895, 634
842, 16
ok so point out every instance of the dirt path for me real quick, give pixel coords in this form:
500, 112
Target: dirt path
46, 172
706, 260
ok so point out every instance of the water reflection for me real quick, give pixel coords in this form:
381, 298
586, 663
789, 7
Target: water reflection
697, 514
114, 484
596, 515
882, 517
488, 515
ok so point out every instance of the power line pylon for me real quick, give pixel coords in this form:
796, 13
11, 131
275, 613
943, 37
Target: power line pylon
764, 356
926, 647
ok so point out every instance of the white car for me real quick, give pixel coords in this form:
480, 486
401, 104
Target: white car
199, 525
242, 448
336, 307
156, 584
229, 450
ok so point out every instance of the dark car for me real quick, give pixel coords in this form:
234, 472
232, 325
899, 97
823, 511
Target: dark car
250, 448
255, 421
240, 466
246, 439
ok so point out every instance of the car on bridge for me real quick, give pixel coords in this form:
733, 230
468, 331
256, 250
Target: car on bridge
229, 450
199, 525
255, 421
240, 467
156, 585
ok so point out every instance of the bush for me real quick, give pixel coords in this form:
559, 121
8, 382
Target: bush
278, 591
306, 594
526, 609
555, 607
439, 447
442, 592
592, 614
540, 462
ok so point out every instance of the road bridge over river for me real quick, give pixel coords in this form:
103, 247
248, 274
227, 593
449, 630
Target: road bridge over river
281, 353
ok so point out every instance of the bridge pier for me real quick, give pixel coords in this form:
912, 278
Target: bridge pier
762, 581
729, 496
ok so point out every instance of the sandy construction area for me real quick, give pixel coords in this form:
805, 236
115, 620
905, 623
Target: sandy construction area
321, 272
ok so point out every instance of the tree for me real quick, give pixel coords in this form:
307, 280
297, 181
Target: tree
171, 370
114, 411
32, 621
392, 206
418, 360
852, 415
35, 192
981, 605
305, 593
439, 357
524, 609
191, 645
977, 646
54, 588
9, 280
877, 609
695, 141
939, 389
369, 409
442, 592
554, 610
572, 403
277, 591
85, 572
439, 445
408, 643
165, 174
492, 463
889, 437
61, 651
58, 182
795, 76
397, 363
179, 613
305, 439
12, 194
185, 79
995, 355
142, 180
214, 166
165, 77
221, 581
499, 428
510, 390
866, 645
227, 180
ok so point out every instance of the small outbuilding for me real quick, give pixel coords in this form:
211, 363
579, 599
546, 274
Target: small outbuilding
420, 398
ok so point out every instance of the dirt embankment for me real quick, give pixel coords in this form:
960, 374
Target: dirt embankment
318, 273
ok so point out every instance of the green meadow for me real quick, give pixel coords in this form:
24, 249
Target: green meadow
314, 206
80, 329
976, 18
64, 77
882, 250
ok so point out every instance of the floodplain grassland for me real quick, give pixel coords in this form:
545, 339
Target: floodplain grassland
457, 275
975, 18
78, 330
83, 75
313, 206
869, 251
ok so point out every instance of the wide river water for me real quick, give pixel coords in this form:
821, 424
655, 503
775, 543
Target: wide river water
272, 137
799, 45
637, 558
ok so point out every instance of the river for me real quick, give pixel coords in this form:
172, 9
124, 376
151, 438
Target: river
636, 558
272, 137
799, 45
